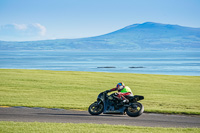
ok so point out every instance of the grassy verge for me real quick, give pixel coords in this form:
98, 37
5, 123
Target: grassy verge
32, 127
77, 90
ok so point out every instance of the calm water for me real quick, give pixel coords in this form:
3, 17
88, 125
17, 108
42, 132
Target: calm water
169, 63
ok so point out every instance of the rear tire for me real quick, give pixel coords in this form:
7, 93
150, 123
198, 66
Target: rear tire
135, 110
95, 108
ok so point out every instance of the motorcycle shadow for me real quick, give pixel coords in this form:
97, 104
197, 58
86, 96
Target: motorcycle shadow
84, 115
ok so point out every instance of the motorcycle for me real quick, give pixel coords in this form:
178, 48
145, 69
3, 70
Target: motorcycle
110, 104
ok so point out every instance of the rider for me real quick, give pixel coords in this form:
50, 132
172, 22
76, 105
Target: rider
122, 91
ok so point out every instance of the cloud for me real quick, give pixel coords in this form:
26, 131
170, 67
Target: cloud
20, 26
12, 32
41, 27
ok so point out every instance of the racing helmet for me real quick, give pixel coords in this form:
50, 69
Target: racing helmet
120, 86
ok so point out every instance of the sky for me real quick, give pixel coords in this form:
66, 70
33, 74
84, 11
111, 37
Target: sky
29, 20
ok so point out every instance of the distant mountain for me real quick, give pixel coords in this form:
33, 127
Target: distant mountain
146, 36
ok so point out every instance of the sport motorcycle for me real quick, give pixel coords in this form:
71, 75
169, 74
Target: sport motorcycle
111, 104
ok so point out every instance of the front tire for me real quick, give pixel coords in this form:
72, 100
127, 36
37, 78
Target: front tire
95, 108
135, 110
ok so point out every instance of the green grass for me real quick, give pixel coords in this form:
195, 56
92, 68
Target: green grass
77, 90
36, 127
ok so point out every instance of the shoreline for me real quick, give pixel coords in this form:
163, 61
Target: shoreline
99, 72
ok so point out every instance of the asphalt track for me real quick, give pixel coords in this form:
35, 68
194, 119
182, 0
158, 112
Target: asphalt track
24, 114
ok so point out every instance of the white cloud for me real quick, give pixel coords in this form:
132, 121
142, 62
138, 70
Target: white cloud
41, 27
20, 26
21, 32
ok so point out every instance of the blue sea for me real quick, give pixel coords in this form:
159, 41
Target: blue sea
151, 62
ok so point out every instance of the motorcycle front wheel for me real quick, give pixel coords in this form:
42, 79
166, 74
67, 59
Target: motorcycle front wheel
136, 109
95, 108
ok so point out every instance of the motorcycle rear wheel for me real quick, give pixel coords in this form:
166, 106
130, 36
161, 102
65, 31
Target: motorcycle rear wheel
95, 108
135, 110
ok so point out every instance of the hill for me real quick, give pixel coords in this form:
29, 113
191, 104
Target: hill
146, 36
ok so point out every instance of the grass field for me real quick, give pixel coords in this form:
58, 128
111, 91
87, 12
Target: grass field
36, 127
77, 90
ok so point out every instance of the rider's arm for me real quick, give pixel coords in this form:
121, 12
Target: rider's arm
113, 89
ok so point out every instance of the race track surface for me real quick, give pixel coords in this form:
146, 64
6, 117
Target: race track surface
24, 114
